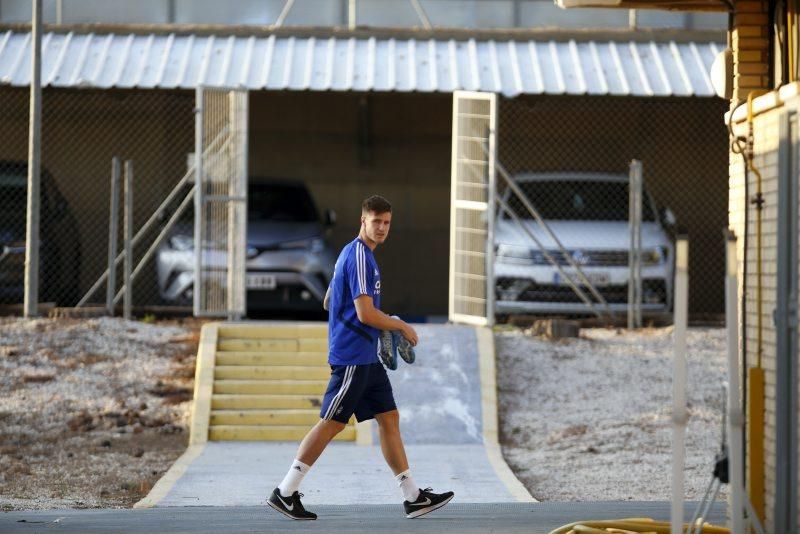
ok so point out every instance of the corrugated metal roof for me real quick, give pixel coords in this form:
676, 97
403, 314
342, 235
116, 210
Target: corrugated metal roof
357, 64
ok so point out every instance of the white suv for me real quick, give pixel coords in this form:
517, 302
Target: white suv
588, 213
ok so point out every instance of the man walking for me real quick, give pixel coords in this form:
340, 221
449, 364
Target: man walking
358, 384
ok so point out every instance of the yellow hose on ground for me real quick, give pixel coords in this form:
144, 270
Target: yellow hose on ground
632, 525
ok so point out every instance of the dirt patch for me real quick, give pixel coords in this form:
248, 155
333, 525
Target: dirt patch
92, 411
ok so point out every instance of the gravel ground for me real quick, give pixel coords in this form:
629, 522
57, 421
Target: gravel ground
92, 412
589, 418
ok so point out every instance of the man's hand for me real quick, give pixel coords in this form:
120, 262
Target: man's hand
409, 333
371, 316
327, 300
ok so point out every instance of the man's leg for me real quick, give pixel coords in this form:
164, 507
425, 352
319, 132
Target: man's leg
317, 439
417, 502
391, 441
342, 393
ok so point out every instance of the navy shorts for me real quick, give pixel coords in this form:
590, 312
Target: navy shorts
363, 390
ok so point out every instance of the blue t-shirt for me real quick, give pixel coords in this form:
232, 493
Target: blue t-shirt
350, 341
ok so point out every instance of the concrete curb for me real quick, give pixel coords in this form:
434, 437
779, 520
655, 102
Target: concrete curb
175, 472
486, 357
203, 384
201, 408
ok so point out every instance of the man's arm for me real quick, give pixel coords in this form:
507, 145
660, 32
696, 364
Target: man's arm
371, 316
327, 300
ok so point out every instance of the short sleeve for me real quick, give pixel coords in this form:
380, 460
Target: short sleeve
360, 277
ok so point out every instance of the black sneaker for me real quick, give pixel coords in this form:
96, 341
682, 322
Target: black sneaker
290, 506
426, 502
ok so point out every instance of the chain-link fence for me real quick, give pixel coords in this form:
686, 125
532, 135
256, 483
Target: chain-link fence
82, 130
569, 157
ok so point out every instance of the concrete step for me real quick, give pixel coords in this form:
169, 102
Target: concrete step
288, 331
256, 402
271, 387
265, 417
273, 345
270, 433
272, 358
270, 372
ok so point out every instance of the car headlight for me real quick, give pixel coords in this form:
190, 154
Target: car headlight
655, 256
181, 242
515, 254
314, 244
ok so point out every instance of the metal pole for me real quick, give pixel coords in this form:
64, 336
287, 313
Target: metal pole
113, 234
31, 297
128, 229
680, 415
423, 16
735, 415
635, 252
284, 13
351, 14
638, 249
198, 200
59, 12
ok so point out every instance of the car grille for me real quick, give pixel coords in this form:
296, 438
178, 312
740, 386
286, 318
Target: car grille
600, 258
591, 258
523, 290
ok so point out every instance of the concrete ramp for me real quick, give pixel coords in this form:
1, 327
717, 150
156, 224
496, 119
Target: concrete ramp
447, 402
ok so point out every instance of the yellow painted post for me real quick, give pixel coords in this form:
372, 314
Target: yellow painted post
755, 439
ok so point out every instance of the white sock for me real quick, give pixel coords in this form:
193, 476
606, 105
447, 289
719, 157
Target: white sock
291, 482
408, 487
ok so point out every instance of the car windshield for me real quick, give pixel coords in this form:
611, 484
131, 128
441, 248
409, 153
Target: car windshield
280, 202
582, 200
13, 201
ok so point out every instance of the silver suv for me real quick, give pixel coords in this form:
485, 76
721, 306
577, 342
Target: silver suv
588, 213
289, 263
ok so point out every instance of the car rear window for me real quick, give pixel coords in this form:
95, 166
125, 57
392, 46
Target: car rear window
277, 202
579, 200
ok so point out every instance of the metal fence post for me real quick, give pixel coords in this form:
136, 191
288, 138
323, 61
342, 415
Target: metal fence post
128, 229
31, 297
735, 416
113, 234
679, 412
198, 202
635, 252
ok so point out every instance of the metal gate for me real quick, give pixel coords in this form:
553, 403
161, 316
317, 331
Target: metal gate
472, 192
220, 202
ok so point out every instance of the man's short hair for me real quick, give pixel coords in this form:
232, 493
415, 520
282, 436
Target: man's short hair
376, 203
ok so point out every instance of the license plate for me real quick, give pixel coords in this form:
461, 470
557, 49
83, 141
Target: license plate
596, 279
261, 281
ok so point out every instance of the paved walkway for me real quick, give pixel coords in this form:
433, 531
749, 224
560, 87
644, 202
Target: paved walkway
532, 518
442, 420
243, 474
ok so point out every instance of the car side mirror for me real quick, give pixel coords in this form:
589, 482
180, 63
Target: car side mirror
330, 217
668, 217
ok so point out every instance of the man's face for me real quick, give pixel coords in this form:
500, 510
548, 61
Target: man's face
376, 225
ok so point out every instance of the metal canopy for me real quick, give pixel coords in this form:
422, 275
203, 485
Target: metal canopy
508, 67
